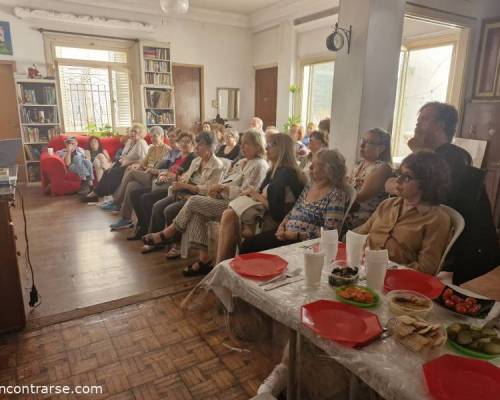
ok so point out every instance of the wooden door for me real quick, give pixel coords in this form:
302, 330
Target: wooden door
266, 94
482, 122
9, 117
188, 91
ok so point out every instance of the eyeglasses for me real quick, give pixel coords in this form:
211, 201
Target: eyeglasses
404, 177
184, 141
365, 142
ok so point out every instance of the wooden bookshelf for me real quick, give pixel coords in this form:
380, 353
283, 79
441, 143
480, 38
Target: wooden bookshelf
38, 105
157, 92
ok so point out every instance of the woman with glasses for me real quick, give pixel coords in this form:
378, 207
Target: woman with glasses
412, 227
277, 194
369, 176
230, 149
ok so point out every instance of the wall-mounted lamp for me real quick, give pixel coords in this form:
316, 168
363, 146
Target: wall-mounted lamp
336, 40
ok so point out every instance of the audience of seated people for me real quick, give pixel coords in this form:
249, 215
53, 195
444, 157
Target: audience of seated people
369, 176
194, 216
134, 151
205, 170
175, 162
296, 132
311, 127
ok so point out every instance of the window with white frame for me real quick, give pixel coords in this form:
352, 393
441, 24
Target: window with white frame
317, 84
95, 88
424, 75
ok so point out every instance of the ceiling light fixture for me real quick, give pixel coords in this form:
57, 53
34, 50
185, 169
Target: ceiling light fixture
173, 7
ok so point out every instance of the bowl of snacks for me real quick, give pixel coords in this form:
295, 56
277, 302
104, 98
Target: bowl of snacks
357, 295
408, 302
342, 274
418, 335
474, 341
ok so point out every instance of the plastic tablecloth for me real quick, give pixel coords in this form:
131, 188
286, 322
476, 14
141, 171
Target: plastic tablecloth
386, 366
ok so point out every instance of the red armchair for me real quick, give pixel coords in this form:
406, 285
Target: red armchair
54, 171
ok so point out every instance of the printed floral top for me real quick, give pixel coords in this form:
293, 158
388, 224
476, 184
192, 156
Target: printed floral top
308, 218
360, 212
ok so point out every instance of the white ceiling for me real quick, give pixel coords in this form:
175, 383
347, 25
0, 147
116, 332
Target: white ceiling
245, 7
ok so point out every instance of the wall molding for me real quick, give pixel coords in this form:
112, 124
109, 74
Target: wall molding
37, 15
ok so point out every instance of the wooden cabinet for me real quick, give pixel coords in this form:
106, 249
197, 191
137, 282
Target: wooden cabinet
482, 121
487, 83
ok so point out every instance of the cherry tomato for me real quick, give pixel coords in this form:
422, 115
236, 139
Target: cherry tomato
448, 303
474, 309
470, 301
461, 308
447, 293
456, 299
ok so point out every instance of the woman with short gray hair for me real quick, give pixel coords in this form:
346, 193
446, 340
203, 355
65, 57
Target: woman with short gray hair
231, 148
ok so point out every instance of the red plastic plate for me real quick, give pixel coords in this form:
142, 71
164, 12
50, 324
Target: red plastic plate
409, 279
451, 377
258, 265
341, 322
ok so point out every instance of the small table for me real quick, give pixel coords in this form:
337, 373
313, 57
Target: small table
387, 367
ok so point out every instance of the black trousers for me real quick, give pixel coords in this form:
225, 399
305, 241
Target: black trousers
263, 241
110, 180
143, 201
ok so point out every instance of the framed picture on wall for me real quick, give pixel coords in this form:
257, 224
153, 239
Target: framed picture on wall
5, 39
487, 84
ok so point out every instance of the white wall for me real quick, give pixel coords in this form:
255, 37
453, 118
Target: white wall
225, 52
266, 47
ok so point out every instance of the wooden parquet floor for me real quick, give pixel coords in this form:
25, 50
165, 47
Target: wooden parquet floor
146, 351
79, 264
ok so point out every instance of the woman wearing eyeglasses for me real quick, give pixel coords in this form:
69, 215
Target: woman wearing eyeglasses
412, 227
369, 175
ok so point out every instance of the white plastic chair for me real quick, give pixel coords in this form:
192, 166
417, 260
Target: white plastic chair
457, 224
352, 193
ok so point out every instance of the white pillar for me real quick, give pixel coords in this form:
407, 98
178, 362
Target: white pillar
286, 71
365, 81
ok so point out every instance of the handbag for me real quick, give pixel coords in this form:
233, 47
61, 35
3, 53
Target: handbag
247, 209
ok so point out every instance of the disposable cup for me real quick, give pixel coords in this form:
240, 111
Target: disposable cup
355, 244
329, 244
50, 151
313, 266
376, 262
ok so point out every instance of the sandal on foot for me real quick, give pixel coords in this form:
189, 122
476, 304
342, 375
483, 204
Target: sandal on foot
174, 252
150, 248
154, 239
203, 269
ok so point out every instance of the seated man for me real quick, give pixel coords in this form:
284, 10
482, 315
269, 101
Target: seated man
476, 251
412, 227
74, 158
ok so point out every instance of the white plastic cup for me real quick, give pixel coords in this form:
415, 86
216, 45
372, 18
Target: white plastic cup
329, 244
313, 266
376, 262
355, 244
50, 151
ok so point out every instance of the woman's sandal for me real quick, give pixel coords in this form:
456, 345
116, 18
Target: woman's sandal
155, 239
173, 253
203, 269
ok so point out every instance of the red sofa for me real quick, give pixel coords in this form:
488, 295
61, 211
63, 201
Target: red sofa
54, 171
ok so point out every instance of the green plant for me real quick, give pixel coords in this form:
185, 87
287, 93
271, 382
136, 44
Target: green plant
103, 131
293, 119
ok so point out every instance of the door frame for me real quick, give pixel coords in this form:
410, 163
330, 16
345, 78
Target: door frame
202, 84
257, 68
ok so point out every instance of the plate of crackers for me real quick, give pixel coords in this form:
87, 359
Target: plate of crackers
417, 335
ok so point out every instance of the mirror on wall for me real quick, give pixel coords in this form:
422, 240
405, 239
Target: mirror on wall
228, 103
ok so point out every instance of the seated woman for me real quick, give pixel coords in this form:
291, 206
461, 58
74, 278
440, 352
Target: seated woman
170, 168
369, 176
230, 149
310, 128
138, 175
98, 156
412, 227
322, 204
193, 219
277, 194
317, 141
74, 158
205, 170
135, 150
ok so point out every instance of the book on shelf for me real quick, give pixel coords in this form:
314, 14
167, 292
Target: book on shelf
33, 152
33, 116
159, 98
33, 172
45, 95
159, 117
157, 79
32, 134
157, 66
156, 52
